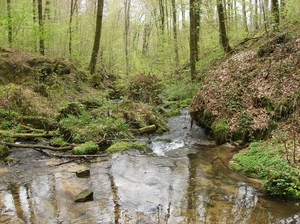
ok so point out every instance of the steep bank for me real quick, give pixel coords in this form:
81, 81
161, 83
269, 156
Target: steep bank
253, 92
255, 95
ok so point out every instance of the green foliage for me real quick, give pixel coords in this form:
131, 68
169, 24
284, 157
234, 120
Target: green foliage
264, 161
220, 130
6, 136
88, 147
86, 127
59, 142
145, 88
124, 146
3, 150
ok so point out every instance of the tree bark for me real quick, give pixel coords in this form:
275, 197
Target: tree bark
73, 9
9, 23
175, 33
97, 37
162, 16
222, 28
275, 14
41, 27
193, 38
127, 4
63, 149
244, 9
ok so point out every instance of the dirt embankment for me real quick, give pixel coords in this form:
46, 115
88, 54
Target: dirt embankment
253, 92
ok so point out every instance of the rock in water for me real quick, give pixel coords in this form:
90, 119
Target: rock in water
83, 173
85, 195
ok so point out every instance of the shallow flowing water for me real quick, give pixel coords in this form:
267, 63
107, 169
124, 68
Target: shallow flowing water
185, 180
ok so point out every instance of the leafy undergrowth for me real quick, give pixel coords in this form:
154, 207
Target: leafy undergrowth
50, 94
267, 161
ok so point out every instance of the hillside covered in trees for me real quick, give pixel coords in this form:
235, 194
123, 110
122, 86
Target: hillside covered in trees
99, 72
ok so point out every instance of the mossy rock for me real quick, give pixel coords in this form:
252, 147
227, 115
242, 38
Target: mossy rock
87, 148
220, 130
85, 195
72, 108
83, 173
38, 122
124, 146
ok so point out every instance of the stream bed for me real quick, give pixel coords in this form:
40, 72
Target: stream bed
185, 180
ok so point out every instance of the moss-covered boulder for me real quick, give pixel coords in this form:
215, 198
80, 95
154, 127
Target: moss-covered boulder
84, 196
124, 146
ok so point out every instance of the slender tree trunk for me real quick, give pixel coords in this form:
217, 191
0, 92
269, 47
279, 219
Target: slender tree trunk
34, 16
183, 22
198, 23
244, 9
147, 32
47, 11
41, 27
256, 15
275, 14
222, 29
162, 16
96, 46
10, 40
175, 34
73, 9
127, 4
193, 38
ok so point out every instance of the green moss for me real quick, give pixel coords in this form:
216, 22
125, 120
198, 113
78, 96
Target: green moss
89, 147
59, 142
220, 130
124, 146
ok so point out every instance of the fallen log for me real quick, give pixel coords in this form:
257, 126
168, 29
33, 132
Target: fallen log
32, 136
148, 129
71, 156
62, 149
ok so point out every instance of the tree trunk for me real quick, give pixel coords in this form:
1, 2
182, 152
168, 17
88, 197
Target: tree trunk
193, 38
175, 33
47, 11
73, 9
222, 28
256, 15
97, 37
244, 9
183, 22
9, 23
198, 22
146, 35
41, 27
127, 4
275, 14
162, 16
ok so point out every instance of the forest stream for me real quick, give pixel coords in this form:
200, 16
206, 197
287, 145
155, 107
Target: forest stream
186, 179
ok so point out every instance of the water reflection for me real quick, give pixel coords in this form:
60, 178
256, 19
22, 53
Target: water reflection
184, 181
136, 188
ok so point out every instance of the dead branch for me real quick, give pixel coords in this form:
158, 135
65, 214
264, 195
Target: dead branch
32, 136
63, 149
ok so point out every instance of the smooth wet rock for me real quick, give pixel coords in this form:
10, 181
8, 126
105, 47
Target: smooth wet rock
85, 195
83, 173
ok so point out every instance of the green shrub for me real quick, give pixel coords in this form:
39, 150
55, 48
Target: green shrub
265, 161
89, 147
3, 150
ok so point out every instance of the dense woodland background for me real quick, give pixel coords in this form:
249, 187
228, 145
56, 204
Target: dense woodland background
139, 36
